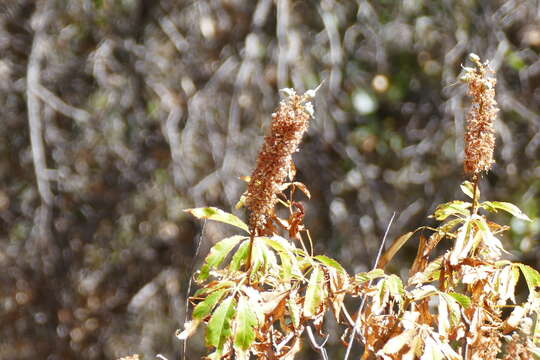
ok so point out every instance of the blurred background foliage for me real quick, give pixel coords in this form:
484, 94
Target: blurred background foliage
118, 114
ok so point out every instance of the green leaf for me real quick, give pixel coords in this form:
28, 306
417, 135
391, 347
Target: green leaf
314, 292
532, 277
463, 300
245, 321
468, 189
217, 254
219, 326
363, 277
239, 256
212, 213
331, 262
395, 286
205, 307
456, 207
505, 206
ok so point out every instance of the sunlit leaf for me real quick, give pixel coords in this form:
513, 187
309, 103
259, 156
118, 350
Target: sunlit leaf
189, 329
331, 262
463, 300
364, 277
431, 350
217, 254
219, 326
456, 207
314, 292
216, 214
395, 286
294, 309
462, 245
431, 273
532, 277
393, 249
205, 307
423, 292
245, 322
396, 343
302, 188
468, 189
505, 206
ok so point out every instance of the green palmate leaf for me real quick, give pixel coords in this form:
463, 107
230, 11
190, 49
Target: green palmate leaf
257, 257
216, 214
213, 286
372, 275
239, 256
462, 300
456, 207
395, 286
331, 262
217, 254
294, 309
505, 206
468, 189
532, 277
219, 326
205, 307
246, 321
314, 292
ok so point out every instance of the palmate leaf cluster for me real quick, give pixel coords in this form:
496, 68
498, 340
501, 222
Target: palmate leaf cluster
449, 303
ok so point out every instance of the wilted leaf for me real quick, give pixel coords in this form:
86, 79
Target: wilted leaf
216, 214
314, 292
217, 254
462, 245
456, 207
431, 273
505, 206
393, 249
302, 188
219, 326
189, 329
245, 322
395, 344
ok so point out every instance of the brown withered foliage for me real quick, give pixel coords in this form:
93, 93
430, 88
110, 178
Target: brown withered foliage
274, 162
479, 137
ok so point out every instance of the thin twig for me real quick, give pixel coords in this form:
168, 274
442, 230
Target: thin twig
190, 283
35, 124
59, 105
361, 307
320, 348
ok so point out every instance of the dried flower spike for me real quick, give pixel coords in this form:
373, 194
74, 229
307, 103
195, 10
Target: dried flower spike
274, 162
480, 134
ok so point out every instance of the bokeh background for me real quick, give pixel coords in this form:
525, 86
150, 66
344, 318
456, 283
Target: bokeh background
115, 115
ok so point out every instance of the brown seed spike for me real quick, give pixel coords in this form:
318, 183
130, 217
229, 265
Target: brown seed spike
274, 162
480, 134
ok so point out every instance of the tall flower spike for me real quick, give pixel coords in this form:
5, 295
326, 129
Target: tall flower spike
274, 162
480, 134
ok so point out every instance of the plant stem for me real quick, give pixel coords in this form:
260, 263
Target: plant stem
250, 251
475, 194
